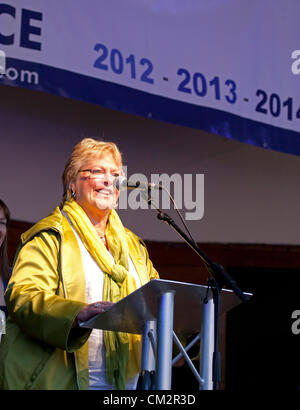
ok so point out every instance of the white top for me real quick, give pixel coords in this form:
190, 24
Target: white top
94, 291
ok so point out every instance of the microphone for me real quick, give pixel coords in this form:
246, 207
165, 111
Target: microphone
121, 183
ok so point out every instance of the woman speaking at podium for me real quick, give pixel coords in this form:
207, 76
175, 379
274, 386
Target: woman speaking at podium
69, 267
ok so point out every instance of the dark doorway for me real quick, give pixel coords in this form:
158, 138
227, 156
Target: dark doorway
262, 353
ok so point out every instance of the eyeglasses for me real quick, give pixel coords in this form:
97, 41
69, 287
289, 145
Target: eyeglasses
97, 173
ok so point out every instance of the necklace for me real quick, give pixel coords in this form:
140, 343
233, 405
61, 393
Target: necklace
103, 239
102, 236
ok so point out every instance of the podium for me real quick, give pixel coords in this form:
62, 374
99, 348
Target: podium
162, 311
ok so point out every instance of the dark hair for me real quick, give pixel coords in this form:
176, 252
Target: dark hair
4, 264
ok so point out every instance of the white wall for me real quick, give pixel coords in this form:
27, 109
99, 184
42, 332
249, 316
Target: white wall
251, 194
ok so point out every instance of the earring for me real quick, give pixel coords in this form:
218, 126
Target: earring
73, 195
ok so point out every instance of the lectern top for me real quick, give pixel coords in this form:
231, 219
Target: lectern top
131, 313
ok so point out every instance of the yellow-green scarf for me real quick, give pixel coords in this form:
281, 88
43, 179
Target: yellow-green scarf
122, 349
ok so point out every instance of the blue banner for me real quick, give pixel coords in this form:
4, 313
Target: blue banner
228, 67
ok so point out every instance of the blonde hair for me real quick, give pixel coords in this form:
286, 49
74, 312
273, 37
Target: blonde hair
86, 149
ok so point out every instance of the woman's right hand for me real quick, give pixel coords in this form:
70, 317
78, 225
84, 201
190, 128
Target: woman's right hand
91, 310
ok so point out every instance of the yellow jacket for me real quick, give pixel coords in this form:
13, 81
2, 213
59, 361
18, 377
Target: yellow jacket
45, 293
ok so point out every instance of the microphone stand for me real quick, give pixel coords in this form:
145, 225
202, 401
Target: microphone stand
219, 278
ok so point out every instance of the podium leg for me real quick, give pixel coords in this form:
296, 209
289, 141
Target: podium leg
148, 353
207, 345
146, 379
165, 341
